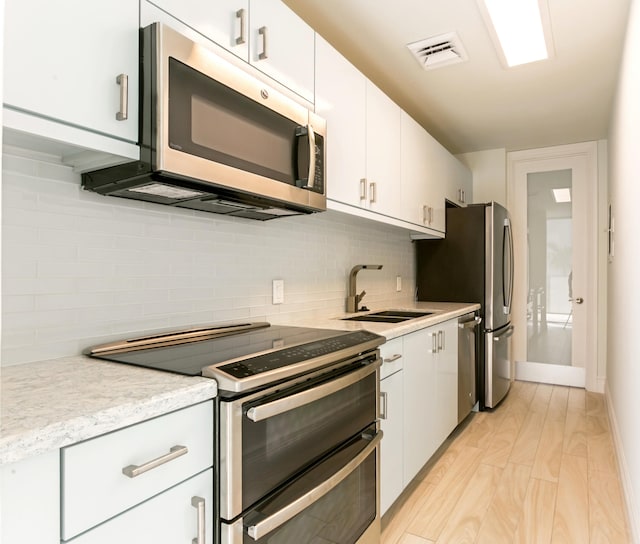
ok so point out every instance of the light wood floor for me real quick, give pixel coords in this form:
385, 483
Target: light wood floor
540, 468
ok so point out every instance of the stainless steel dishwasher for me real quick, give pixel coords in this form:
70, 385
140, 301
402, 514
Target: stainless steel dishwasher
467, 372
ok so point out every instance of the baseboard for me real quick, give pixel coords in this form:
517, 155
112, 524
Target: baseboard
633, 513
547, 373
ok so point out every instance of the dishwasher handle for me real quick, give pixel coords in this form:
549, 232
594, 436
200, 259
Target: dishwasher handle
472, 323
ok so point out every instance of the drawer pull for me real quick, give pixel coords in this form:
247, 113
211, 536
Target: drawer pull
198, 504
135, 470
392, 358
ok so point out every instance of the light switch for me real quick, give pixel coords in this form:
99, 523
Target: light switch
278, 291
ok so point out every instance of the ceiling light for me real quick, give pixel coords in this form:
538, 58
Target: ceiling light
519, 28
562, 195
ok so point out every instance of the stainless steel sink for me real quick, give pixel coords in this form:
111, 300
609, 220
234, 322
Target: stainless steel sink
377, 318
388, 316
402, 313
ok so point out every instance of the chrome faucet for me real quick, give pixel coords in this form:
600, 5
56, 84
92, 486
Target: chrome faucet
352, 298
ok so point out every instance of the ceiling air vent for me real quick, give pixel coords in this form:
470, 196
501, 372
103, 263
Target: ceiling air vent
438, 51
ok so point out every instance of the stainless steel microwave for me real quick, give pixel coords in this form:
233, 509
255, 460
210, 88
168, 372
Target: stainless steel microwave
215, 138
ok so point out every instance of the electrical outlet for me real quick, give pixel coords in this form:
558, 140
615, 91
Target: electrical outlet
278, 291
398, 283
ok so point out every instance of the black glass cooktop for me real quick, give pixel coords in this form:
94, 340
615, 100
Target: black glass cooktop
246, 353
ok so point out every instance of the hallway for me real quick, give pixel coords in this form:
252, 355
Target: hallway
540, 468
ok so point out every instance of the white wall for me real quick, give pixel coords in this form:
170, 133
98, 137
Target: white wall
489, 174
623, 365
81, 268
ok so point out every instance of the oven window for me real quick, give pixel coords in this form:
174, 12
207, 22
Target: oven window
340, 517
279, 447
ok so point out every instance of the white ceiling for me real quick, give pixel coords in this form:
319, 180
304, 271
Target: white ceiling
478, 104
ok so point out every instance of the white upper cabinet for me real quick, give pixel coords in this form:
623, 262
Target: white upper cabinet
282, 46
226, 22
363, 135
430, 176
75, 63
459, 183
422, 193
340, 99
383, 152
264, 33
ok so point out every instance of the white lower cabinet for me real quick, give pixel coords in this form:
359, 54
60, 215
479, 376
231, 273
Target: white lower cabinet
391, 450
446, 380
430, 393
141, 473
30, 500
419, 402
168, 518
391, 421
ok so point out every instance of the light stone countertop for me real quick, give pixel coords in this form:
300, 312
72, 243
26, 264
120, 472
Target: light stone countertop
442, 311
50, 404
47, 405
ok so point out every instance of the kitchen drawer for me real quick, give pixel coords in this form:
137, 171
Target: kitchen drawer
94, 486
168, 518
391, 353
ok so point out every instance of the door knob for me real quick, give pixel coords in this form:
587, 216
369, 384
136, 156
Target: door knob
578, 300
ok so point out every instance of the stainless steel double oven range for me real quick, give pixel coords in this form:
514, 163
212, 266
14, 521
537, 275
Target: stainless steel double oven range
298, 450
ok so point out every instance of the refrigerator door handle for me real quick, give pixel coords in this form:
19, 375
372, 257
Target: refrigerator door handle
507, 267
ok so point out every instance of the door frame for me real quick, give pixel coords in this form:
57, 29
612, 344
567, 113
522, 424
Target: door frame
523, 161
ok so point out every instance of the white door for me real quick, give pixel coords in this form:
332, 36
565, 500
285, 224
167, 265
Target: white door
553, 203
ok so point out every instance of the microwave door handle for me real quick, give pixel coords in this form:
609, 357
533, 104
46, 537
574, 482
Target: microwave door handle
265, 526
308, 131
312, 156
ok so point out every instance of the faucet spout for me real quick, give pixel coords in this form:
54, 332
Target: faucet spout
352, 298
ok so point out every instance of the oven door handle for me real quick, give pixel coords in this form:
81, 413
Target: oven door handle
280, 406
260, 529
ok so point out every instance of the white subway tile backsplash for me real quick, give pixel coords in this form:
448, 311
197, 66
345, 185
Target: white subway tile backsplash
80, 268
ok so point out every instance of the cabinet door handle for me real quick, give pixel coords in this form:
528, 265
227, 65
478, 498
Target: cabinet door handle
392, 358
263, 32
373, 198
430, 215
133, 471
440, 340
198, 504
425, 214
434, 343
123, 81
241, 14
383, 405
363, 189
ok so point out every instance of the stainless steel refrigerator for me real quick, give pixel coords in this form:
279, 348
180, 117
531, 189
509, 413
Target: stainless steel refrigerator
474, 263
